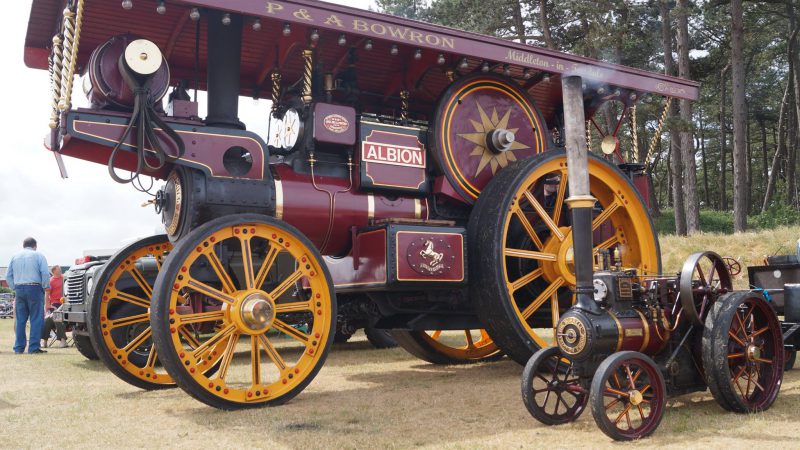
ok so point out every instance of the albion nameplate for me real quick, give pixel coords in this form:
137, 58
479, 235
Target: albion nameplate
392, 154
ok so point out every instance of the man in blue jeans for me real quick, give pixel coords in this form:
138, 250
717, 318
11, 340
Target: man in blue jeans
28, 275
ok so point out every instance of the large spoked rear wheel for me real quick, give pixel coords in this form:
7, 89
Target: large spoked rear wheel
448, 347
520, 235
744, 356
270, 316
119, 317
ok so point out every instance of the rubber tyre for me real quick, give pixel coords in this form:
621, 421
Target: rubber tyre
729, 305
379, 338
598, 405
93, 322
84, 345
709, 374
159, 317
529, 398
488, 290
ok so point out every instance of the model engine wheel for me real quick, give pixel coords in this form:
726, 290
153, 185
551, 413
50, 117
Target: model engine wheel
448, 347
119, 318
704, 277
628, 396
550, 390
743, 354
275, 318
521, 246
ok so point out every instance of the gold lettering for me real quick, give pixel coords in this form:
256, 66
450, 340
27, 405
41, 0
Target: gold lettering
432, 39
302, 14
396, 33
333, 20
360, 25
273, 7
416, 35
375, 27
448, 42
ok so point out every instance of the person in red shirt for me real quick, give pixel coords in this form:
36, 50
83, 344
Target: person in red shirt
52, 299
56, 291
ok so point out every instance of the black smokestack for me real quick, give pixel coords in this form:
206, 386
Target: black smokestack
224, 58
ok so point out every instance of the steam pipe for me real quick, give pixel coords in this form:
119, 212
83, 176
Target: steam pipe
580, 200
224, 58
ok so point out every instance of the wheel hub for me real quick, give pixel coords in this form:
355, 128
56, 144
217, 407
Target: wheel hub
564, 266
256, 312
635, 397
753, 352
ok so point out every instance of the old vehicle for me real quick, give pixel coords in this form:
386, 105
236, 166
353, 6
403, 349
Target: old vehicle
78, 282
417, 170
6, 308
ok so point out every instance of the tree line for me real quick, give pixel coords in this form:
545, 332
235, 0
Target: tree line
735, 149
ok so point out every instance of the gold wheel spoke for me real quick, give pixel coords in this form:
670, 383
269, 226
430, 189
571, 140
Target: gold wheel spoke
544, 216
605, 245
736, 338
222, 274
137, 341
559, 205
468, 334
130, 320
616, 392
292, 307
266, 265
208, 316
141, 281
227, 356
272, 353
130, 298
292, 279
623, 413
528, 227
606, 214
555, 313
210, 291
255, 362
213, 341
529, 254
247, 263
761, 331
525, 279
765, 361
735, 355
152, 357
436, 334
530, 309
290, 331
190, 339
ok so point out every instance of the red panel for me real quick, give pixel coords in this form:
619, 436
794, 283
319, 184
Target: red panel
393, 160
334, 124
371, 247
429, 256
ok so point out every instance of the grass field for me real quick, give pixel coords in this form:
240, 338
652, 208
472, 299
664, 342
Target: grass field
363, 398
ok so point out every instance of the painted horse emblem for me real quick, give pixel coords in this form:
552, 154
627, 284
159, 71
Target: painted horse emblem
430, 253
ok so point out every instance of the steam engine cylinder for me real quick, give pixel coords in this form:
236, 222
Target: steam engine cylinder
624, 323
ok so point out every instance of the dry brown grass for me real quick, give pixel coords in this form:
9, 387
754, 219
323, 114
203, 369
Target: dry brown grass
363, 398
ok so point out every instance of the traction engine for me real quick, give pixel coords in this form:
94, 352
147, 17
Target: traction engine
410, 174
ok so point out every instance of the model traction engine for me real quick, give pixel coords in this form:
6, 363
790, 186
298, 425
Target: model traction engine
412, 179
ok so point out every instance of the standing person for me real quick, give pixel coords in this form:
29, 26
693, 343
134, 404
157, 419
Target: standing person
29, 277
52, 299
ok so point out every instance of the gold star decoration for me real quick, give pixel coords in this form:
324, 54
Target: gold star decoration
482, 128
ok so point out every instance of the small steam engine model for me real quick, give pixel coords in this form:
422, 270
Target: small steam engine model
642, 339
410, 173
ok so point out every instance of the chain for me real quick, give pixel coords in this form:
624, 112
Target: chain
307, 55
634, 136
72, 37
276, 90
404, 105
588, 136
55, 80
657, 134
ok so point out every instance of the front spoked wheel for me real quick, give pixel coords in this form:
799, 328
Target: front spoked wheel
271, 312
551, 391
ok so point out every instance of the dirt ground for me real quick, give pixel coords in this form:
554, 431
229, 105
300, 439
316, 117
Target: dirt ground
365, 398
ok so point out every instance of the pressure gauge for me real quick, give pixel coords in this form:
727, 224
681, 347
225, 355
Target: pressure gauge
600, 290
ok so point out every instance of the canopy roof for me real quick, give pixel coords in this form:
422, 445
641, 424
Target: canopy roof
381, 75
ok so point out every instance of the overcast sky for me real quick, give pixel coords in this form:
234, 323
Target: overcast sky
88, 210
